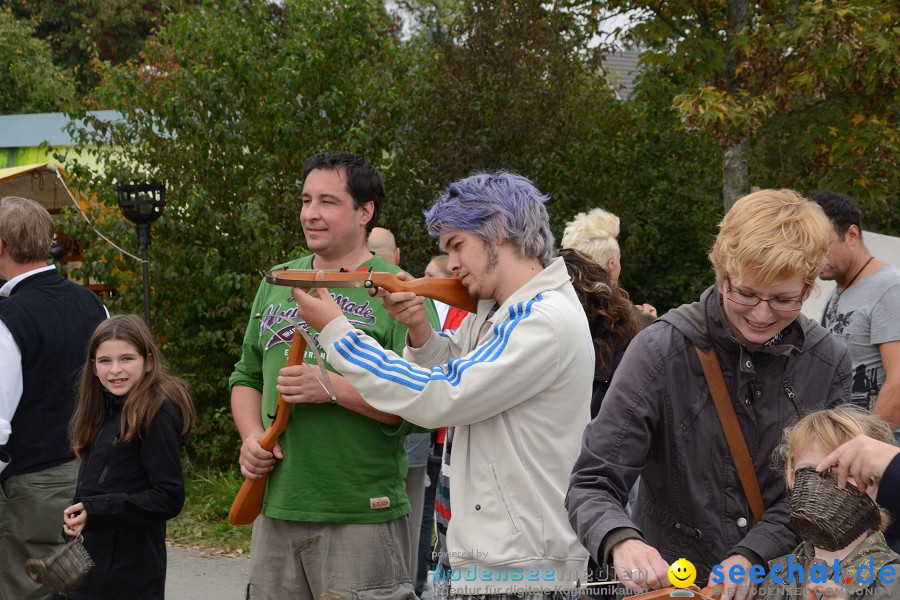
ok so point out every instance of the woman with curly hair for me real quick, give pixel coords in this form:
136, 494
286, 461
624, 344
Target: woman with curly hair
610, 317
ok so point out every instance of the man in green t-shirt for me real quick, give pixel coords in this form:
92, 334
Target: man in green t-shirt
334, 516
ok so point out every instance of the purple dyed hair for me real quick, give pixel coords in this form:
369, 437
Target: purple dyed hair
491, 204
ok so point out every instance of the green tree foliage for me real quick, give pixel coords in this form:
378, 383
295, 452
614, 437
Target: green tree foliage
820, 77
664, 185
841, 107
224, 107
29, 81
511, 85
84, 32
502, 86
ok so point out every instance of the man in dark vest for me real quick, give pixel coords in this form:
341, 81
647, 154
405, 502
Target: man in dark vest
45, 324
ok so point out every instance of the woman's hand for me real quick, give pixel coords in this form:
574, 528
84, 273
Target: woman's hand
639, 566
862, 458
737, 591
648, 309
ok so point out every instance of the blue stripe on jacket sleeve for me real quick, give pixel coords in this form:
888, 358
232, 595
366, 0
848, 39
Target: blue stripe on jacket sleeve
500, 332
494, 348
374, 360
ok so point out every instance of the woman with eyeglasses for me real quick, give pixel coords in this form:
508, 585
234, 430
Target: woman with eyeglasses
658, 420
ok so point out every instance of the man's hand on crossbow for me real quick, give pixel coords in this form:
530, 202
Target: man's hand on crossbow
256, 461
302, 384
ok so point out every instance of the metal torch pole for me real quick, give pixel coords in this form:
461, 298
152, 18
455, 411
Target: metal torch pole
143, 235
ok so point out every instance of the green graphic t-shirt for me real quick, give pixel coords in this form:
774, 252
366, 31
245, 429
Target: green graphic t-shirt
338, 466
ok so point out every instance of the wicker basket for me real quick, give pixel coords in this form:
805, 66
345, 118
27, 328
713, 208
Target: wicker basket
825, 516
64, 570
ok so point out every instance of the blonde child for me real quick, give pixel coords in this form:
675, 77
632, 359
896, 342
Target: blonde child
128, 428
806, 444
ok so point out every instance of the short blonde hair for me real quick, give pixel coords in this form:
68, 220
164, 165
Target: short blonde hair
593, 233
26, 228
829, 429
772, 235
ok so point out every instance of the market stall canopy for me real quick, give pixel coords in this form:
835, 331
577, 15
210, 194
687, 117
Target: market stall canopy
46, 184
43, 182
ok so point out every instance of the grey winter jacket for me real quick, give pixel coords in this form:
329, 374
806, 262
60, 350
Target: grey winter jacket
658, 422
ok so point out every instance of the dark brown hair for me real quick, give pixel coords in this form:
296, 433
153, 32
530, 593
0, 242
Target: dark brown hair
144, 400
608, 309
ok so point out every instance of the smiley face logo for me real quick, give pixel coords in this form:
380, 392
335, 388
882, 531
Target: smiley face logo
682, 573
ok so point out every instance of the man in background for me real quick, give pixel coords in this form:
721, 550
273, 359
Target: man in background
864, 308
382, 242
864, 311
45, 324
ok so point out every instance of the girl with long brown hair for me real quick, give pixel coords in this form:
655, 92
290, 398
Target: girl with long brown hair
128, 428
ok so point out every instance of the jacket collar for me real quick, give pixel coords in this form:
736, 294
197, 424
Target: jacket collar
9, 286
704, 324
113, 402
554, 276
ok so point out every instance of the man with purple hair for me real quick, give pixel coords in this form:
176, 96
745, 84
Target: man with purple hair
514, 379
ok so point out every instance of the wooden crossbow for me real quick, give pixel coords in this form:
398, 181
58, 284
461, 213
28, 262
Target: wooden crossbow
249, 499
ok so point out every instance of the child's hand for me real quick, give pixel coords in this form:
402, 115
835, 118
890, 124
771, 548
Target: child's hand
75, 518
825, 591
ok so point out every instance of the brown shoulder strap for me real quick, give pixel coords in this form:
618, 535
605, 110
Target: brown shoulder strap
733, 435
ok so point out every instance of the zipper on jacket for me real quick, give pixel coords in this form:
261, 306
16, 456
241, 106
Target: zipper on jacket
503, 498
109, 455
85, 464
788, 389
688, 530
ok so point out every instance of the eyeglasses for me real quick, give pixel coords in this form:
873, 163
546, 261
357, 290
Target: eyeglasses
776, 304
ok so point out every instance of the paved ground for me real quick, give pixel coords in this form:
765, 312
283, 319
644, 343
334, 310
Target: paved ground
198, 574
201, 574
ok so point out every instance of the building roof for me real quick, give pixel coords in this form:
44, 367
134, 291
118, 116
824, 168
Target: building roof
621, 68
29, 131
